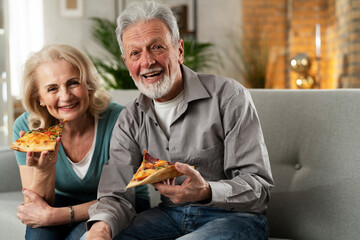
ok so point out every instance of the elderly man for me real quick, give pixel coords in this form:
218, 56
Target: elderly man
200, 120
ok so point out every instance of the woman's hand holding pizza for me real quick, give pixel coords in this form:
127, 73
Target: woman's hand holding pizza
193, 189
42, 160
45, 160
42, 173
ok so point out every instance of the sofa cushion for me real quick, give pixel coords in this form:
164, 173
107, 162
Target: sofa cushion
9, 171
10, 196
10, 225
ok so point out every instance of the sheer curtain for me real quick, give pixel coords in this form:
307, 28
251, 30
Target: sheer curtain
5, 101
21, 32
25, 36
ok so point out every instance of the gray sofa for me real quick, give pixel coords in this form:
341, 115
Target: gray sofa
10, 196
313, 140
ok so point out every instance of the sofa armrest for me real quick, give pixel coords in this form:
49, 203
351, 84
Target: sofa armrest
9, 171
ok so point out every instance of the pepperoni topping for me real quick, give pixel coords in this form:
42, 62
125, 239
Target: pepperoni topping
148, 158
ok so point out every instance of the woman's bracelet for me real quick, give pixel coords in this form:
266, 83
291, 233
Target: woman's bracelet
72, 213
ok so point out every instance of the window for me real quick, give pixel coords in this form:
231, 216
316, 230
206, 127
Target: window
21, 32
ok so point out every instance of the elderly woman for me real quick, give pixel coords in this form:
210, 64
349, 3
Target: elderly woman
60, 186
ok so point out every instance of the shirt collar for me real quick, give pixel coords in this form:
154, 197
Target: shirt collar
193, 87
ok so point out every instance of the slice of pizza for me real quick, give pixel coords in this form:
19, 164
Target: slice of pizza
38, 140
153, 170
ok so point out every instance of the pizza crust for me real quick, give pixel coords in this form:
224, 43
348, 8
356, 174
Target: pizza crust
19, 148
158, 176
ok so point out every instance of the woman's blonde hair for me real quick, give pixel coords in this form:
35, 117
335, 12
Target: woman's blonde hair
39, 116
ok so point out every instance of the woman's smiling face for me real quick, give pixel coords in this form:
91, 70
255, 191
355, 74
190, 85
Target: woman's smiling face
61, 91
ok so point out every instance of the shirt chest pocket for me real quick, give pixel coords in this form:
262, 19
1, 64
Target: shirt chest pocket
209, 161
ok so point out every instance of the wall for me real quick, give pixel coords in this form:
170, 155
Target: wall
290, 25
304, 17
75, 31
219, 22
347, 16
267, 20
215, 20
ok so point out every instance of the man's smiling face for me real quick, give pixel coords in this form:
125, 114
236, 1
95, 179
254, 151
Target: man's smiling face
151, 58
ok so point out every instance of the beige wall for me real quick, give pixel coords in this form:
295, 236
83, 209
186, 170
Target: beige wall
75, 31
216, 19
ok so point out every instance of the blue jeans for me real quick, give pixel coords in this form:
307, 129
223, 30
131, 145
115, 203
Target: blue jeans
57, 232
74, 232
195, 223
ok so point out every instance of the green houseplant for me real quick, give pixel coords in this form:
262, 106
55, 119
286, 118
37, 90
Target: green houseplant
250, 50
250, 59
112, 70
197, 56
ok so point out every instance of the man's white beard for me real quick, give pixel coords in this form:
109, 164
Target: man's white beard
157, 89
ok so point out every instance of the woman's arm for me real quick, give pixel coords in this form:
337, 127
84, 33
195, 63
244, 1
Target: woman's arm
40, 182
39, 173
62, 215
37, 213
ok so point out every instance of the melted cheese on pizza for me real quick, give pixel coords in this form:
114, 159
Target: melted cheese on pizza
35, 138
149, 168
144, 174
38, 138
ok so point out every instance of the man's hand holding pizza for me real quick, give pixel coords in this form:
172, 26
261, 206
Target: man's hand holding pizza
162, 173
193, 189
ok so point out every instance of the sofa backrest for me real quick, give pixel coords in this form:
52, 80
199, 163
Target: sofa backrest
313, 139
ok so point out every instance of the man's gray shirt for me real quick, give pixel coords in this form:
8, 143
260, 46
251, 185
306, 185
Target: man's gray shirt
216, 130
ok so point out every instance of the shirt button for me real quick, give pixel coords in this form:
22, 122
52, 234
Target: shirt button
167, 148
298, 166
156, 124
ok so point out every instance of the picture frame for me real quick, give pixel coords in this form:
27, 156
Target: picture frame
181, 15
71, 8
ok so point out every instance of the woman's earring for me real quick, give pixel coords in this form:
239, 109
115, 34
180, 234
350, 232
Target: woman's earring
41, 104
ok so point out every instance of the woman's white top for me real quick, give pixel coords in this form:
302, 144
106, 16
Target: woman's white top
81, 168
